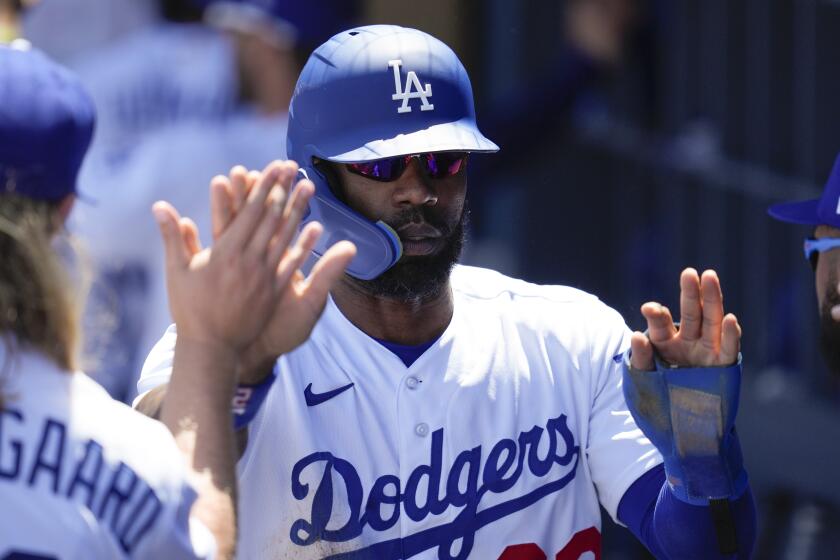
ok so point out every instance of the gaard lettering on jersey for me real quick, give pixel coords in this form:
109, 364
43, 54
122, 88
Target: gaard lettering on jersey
115, 494
411, 82
497, 472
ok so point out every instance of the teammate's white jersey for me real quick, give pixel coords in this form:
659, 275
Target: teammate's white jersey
498, 442
83, 477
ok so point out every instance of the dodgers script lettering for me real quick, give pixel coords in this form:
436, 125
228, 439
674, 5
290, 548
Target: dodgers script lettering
379, 507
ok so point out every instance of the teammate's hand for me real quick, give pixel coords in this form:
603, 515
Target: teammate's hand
706, 337
222, 296
300, 301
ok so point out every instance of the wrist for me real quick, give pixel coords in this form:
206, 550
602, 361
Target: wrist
253, 370
202, 357
207, 348
200, 389
248, 398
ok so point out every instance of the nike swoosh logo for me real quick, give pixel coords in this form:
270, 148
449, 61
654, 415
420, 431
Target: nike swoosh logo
313, 399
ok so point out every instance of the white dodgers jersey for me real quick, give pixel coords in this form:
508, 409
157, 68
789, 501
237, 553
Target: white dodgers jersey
83, 477
499, 442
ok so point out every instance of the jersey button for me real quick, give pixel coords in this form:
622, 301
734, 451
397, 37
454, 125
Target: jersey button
412, 383
421, 429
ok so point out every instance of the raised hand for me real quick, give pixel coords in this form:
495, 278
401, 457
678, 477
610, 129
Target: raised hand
222, 295
706, 337
301, 300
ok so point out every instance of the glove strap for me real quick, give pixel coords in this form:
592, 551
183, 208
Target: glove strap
689, 415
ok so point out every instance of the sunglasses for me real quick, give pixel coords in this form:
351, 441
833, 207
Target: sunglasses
438, 165
813, 247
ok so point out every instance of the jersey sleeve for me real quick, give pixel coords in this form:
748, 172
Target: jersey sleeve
618, 453
157, 368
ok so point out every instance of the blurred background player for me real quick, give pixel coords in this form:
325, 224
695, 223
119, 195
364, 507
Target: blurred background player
817, 519
822, 250
82, 474
144, 74
203, 89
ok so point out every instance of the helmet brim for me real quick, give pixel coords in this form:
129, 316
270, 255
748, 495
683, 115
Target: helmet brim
458, 136
804, 212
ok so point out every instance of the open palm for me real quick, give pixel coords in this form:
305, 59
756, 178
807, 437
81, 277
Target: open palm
705, 337
299, 300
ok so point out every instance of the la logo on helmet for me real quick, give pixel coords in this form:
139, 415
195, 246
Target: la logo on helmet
413, 89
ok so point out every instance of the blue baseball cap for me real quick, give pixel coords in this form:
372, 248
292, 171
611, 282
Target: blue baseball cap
46, 124
821, 211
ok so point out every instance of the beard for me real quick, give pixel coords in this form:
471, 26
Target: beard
830, 330
420, 278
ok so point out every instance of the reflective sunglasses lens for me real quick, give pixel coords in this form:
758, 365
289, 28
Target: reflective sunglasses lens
379, 170
438, 165
445, 164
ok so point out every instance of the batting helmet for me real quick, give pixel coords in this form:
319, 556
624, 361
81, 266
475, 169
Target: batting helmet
369, 93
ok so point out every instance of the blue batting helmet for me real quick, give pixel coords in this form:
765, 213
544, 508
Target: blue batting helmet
369, 93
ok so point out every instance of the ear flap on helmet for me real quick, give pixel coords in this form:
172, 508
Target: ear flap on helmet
378, 246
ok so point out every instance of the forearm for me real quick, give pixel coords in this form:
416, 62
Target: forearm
688, 532
196, 409
151, 404
672, 529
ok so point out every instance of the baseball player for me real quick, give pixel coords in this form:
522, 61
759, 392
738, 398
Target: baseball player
440, 412
821, 250
81, 475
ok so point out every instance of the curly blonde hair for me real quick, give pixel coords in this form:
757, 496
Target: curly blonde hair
37, 300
